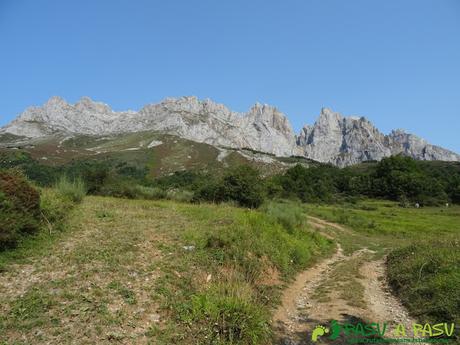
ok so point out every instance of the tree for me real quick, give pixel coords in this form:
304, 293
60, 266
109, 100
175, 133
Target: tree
242, 184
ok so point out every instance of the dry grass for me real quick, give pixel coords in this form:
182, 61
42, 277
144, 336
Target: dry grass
120, 273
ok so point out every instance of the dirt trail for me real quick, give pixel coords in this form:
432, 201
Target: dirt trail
343, 287
70, 282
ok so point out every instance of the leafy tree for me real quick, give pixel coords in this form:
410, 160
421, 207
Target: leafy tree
310, 184
242, 184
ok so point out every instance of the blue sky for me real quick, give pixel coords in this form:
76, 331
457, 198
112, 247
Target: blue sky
395, 62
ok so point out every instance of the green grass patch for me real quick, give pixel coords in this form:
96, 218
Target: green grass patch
212, 273
423, 246
74, 189
426, 276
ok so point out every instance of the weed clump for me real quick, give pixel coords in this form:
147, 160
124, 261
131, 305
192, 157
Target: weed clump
74, 190
289, 214
234, 320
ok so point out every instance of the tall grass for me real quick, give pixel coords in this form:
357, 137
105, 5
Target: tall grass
426, 276
248, 254
74, 190
289, 214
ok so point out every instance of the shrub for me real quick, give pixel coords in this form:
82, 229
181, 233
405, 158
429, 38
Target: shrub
19, 208
243, 185
119, 189
191, 180
74, 190
207, 192
455, 194
310, 184
95, 177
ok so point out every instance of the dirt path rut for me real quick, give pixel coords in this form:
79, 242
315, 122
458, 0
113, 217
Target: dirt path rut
343, 287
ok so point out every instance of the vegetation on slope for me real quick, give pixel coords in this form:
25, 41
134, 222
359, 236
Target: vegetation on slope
424, 251
163, 272
26, 210
426, 276
19, 208
214, 260
395, 178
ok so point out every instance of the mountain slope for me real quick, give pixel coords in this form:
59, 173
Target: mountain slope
332, 139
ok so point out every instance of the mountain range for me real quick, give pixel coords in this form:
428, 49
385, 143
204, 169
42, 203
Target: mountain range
333, 138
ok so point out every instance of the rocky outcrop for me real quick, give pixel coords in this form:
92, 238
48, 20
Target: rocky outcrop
349, 140
333, 138
263, 128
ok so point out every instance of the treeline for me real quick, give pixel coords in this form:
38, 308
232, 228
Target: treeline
397, 178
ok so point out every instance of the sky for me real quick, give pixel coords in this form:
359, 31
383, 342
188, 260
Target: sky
395, 62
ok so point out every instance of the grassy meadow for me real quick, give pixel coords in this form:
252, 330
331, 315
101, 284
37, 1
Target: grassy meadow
189, 258
159, 272
423, 247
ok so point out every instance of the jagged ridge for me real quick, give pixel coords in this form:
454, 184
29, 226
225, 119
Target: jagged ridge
333, 138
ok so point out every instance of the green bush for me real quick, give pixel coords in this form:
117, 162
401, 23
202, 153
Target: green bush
74, 190
400, 177
242, 184
19, 208
189, 180
310, 184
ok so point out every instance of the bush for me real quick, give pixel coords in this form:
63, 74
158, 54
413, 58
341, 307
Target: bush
207, 192
310, 184
191, 180
242, 184
74, 190
19, 208
455, 194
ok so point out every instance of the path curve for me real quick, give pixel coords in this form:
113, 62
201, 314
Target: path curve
301, 309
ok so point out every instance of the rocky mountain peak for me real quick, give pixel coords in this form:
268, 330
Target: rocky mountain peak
270, 116
86, 104
55, 101
333, 138
328, 114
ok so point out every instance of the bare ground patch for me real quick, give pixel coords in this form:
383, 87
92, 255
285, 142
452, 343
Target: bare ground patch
344, 287
95, 287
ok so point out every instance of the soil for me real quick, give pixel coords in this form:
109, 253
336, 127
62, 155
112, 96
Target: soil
302, 310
